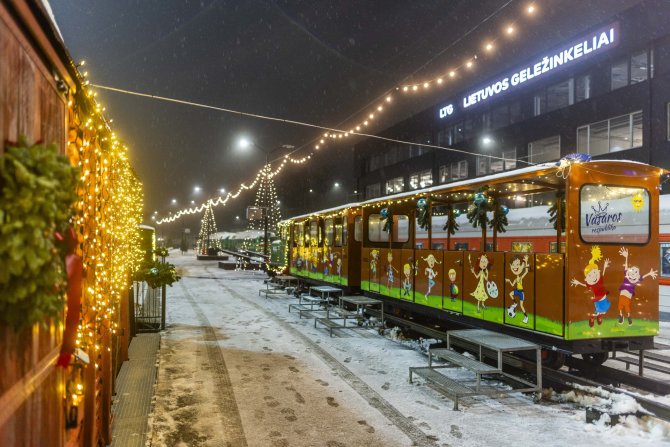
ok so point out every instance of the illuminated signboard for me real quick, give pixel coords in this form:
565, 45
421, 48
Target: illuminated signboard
596, 42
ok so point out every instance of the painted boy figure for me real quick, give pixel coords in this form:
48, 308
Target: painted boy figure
519, 268
453, 288
631, 280
407, 281
594, 282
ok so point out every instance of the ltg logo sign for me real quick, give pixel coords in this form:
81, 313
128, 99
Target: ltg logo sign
446, 111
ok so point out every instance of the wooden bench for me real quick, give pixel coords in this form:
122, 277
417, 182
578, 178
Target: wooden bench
457, 359
453, 389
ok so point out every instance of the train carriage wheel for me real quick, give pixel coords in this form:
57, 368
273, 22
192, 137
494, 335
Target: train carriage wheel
596, 358
552, 359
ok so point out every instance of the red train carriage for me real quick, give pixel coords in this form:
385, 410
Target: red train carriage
566, 257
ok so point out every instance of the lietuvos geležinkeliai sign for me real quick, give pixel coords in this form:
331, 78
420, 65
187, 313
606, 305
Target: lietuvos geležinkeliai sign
596, 42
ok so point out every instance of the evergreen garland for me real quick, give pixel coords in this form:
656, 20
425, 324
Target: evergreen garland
422, 214
450, 226
477, 211
553, 211
37, 196
157, 274
499, 221
388, 223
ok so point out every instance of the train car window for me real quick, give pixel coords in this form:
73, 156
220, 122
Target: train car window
358, 228
552, 247
665, 260
400, 228
421, 235
328, 235
614, 214
345, 231
522, 247
298, 235
461, 246
376, 231
338, 232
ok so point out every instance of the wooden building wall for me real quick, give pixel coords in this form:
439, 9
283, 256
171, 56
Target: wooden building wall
31, 389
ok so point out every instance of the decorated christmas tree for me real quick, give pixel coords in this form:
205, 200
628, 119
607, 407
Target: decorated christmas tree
207, 229
267, 216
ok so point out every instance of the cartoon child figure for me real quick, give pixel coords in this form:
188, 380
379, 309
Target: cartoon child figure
430, 273
453, 288
482, 273
374, 257
594, 282
390, 269
339, 266
407, 281
519, 267
631, 280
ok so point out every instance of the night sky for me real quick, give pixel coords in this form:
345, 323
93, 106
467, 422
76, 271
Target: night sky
317, 61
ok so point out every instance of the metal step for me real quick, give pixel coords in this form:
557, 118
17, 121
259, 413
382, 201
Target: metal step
463, 361
450, 387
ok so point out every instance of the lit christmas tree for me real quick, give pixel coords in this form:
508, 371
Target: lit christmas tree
269, 214
207, 229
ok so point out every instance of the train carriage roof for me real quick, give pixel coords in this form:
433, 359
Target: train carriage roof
545, 177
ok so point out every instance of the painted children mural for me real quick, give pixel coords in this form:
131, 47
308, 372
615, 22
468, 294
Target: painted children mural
631, 280
483, 266
453, 288
430, 273
519, 268
594, 282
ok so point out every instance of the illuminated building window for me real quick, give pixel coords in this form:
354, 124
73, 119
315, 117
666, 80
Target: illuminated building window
395, 185
611, 135
545, 150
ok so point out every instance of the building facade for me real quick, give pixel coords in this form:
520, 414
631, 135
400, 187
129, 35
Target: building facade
603, 92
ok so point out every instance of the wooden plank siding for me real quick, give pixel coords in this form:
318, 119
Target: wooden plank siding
31, 388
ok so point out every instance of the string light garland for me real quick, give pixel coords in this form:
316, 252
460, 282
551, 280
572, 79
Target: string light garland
107, 217
380, 106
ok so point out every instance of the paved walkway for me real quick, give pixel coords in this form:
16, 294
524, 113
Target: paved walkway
134, 391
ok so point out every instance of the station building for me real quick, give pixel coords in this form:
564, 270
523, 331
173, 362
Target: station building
604, 92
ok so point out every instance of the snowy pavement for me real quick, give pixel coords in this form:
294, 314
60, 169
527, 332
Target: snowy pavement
237, 369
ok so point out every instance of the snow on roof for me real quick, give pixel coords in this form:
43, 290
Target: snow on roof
329, 210
472, 181
47, 8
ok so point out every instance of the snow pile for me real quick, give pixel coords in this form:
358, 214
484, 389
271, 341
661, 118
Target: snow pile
616, 404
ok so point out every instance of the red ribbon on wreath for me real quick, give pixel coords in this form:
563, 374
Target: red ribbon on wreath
74, 267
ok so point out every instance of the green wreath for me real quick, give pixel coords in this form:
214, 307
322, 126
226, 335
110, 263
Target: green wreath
37, 194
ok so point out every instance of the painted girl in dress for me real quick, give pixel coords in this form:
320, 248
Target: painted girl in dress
430, 273
482, 273
594, 282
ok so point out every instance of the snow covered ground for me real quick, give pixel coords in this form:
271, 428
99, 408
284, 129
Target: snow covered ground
238, 369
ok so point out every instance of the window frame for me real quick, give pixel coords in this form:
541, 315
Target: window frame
649, 222
608, 120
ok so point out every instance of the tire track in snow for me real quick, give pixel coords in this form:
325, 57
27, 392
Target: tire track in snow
230, 414
418, 437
